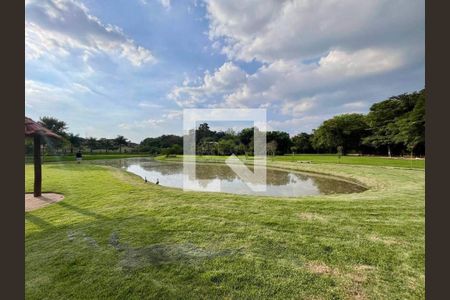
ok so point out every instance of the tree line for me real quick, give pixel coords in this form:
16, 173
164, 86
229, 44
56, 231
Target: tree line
73, 142
395, 126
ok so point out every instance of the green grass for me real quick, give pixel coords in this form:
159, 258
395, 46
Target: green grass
71, 157
325, 158
114, 237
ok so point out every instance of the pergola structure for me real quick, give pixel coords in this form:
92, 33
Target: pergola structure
38, 132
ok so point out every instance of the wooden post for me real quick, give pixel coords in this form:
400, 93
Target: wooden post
37, 166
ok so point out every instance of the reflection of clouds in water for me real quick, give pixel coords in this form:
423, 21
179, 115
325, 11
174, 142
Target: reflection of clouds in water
214, 177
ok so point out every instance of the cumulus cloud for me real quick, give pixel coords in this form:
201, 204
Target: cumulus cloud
287, 81
66, 27
224, 80
318, 58
286, 29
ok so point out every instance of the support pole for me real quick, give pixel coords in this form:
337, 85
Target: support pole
37, 166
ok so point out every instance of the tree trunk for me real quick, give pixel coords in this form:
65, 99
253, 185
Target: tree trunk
389, 150
37, 166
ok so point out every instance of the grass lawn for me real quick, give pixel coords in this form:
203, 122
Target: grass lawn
71, 157
113, 236
324, 158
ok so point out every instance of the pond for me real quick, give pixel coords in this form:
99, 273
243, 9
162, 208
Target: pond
279, 182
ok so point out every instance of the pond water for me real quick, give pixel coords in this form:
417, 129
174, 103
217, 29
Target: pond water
208, 176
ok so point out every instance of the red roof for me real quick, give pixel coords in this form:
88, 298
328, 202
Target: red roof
33, 128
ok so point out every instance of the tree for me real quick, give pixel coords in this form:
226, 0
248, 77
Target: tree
74, 140
272, 147
157, 144
120, 141
302, 143
57, 126
226, 146
203, 132
411, 126
282, 140
345, 130
92, 143
106, 144
384, 120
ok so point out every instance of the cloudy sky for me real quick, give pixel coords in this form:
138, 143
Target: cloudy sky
130, 66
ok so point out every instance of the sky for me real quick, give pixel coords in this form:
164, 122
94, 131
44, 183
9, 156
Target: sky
130, 67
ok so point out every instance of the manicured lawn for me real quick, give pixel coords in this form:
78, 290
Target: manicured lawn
115, 237
327, 158
68, 157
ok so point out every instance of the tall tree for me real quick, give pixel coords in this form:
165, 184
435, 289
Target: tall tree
411, 126
302, 143
55, 125
345, 130
120, 141
383, 117
272, 147
203, 132
282, 140
92, 143
74, 140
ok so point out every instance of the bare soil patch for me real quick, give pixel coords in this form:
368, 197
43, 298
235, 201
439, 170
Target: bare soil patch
32, 203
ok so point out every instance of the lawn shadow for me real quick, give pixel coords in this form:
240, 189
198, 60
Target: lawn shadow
38, 221
160, 254
83, 211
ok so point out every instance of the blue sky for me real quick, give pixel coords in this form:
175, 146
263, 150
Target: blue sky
129, 67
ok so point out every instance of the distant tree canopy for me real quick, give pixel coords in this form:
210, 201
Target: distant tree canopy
398, 123
302, 143
55, 125
395, 126
158, 144
346, 131
73, 141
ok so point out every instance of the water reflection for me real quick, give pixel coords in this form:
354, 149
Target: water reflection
211, 176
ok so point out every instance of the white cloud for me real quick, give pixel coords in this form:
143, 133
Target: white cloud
141, 124
165, 3
356, 105
224, 80
173, 114
58, 28
293, 29
148, 104
296, 108
287, 81
39, 93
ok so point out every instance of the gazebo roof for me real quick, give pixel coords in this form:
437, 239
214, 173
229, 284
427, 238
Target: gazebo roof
33, 128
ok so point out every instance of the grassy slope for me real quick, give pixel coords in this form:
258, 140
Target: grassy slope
115, 237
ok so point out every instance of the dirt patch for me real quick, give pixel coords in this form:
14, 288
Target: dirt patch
386, 241
307, 216
320, 268
32, 203
353, 281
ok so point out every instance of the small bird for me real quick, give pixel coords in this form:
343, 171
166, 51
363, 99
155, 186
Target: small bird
145, 179
157, 181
